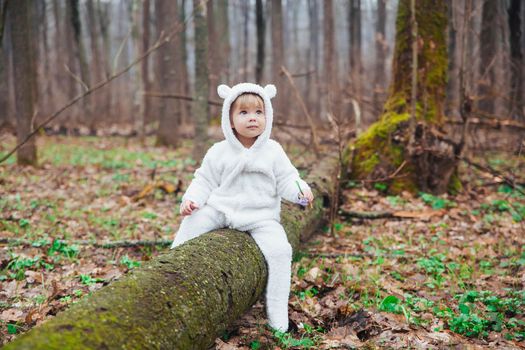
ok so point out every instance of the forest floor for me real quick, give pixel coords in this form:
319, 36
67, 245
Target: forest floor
445, 272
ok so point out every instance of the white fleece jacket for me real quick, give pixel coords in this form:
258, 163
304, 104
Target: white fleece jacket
245, 184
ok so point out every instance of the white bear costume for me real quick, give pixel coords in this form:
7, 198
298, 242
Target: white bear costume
241, 188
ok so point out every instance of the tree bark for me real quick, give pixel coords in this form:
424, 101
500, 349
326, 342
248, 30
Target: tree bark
456, 49
278, 55
182, 299
4, 83
79, 54
355, 46
261, 28
489, 45
168, 56
144, 71
223, 41
24, 75
213, 62
97, 74
103, 12
516, 54
245, 8
381, 52
200, 104
420, 161
356, 65
313, 80
329, 62
185, 80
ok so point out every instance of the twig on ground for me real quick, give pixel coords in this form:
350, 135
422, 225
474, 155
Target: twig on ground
486, 168
401, 214
366, 214
389, 177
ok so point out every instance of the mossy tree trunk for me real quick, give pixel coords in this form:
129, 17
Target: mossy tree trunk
182, 299
413, 159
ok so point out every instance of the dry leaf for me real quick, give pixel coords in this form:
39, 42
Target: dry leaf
11, 315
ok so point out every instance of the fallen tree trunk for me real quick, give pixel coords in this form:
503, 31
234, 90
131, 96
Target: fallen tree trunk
182, 299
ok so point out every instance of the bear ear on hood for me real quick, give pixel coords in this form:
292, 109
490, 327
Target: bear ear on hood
270, 90
224, 91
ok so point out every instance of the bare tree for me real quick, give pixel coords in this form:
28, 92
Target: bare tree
4, 89
355, 46
490, 84
200, 105
261, 28
312, 82
96, 63
330, 72
223, 42
515, 13
103, 23
146, 84
24, 75
278, 54
245, 7
381, 51
184, 79
78, 54
455, 46
169, 117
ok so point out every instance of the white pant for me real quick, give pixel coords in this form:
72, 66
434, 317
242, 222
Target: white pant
273, 243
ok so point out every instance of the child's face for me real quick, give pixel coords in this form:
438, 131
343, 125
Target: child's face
248, 120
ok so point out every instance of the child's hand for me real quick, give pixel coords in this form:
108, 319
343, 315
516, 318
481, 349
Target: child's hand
187, 207
308, 195
306, 198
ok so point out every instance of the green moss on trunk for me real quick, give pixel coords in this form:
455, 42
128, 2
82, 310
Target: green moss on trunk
382, 149
182, 299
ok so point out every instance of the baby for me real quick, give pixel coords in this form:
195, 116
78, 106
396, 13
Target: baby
240, 185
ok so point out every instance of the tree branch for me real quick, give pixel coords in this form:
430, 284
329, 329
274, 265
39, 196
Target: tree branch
315, 140
177, 97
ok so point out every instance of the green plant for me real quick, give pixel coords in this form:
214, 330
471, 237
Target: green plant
129, 263
468, 323
255, 345
380, 186
436, 202
61, 247
435, 268
12, 328
395, 201
307, 293
286, 340
393, 304
18, 266
88, 280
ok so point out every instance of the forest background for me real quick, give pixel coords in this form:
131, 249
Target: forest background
125, 92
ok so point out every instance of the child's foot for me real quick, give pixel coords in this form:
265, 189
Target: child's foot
278, 328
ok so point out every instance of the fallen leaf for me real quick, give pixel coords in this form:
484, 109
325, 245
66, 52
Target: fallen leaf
11, 315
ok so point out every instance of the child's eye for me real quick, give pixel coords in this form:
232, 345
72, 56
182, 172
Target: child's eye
243, 112
259, 111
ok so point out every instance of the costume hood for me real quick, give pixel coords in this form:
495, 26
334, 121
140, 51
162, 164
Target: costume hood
229, 94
